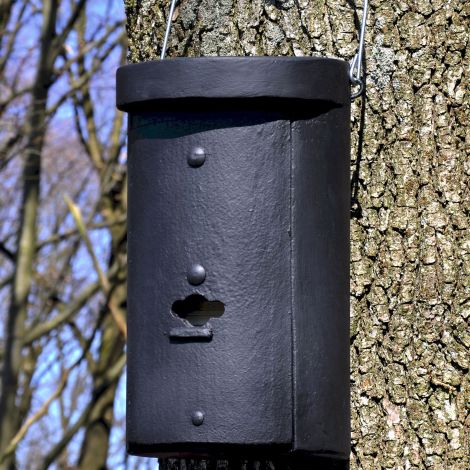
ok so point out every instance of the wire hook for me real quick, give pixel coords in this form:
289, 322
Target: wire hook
355, 71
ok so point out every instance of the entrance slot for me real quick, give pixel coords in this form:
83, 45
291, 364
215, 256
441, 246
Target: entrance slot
197, 310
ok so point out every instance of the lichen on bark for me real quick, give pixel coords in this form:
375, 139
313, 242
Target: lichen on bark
410, 243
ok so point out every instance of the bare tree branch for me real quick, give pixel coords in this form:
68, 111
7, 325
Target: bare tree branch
66, 314
105, 286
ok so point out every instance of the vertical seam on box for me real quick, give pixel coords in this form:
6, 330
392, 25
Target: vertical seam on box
291, 267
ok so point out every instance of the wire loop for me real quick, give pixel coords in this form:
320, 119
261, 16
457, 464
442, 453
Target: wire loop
356, 76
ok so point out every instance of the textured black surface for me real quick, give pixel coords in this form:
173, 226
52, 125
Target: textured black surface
320, 259
266, 215
292, 78
219, 215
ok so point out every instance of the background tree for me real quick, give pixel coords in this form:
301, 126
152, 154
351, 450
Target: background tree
62, 240
409, 217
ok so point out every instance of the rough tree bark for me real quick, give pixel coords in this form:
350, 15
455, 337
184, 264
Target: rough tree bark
409, 238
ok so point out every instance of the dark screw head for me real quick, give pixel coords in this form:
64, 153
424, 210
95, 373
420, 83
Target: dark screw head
197, 157
197, 418
196, 274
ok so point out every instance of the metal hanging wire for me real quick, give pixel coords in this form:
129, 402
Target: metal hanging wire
168, 29
356, 75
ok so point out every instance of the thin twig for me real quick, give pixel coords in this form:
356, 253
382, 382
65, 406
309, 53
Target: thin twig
104, 282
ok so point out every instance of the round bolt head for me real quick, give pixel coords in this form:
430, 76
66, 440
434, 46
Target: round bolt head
196, 274
197, 418
197, 157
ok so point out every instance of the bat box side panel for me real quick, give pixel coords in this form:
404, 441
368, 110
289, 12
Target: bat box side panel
321, 202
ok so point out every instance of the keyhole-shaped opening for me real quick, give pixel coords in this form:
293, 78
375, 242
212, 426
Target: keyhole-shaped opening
197, 310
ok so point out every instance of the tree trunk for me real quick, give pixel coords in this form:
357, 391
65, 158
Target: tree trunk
96, 442
95, 446
409, 343
27, 233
